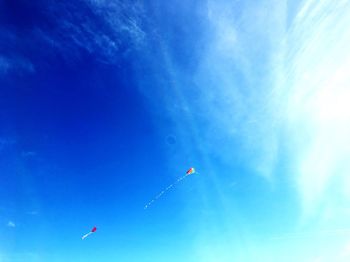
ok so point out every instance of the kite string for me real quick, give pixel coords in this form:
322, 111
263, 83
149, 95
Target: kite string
164, 191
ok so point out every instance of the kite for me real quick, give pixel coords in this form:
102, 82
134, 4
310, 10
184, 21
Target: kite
189, 172
93, 230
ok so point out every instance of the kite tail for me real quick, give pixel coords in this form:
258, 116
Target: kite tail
163, 192
86, 235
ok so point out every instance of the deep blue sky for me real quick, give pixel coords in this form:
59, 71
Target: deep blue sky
105, 103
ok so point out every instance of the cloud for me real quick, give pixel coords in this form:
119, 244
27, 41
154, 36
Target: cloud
235, 77
104, 29
284, 100
11, 224
18, 64
317, 83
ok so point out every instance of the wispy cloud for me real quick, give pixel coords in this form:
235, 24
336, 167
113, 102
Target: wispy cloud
317, 87
286, 96
105, 29
18, 64
236, 79
11, 224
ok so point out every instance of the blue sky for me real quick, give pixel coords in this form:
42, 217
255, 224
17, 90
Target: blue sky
104, 103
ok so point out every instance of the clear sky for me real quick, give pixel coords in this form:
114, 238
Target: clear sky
104, 103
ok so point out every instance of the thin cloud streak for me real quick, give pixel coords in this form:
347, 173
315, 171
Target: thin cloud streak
18, 64
104, 30
317, 115
235, 78
290, 102
11, 224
